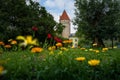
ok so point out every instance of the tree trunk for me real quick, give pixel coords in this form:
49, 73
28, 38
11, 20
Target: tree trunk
112, 42
99, 42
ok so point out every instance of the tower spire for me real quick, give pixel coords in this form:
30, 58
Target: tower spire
64, 16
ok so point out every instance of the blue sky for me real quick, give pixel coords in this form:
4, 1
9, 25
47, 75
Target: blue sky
56, 7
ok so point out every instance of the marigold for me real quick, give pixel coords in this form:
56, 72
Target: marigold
1, 43
13, 42
64, 49
94, 62
80, 58
59, 44
51, 53
67, 41
72, 46
82, 48
36, 49
104, 49
1, 69
7, 46
97, 51
90, 49
51, 48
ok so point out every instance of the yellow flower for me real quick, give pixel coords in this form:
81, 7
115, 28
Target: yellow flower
1, 69
90, 49
97, 51
9, 40
115, 47
28, 40
64, 49
51, 48
60, 52
36, 49
94, 62
72, 46
59, 44
51, 53
86, 50
95, 44
20, 38
80, 58
65, 41
104, 49
82, 48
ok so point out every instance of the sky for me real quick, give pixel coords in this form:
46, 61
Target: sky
56, 7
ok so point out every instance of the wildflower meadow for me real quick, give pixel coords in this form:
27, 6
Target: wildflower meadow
24, 59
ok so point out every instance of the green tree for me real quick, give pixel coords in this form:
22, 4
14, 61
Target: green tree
14, 18
59, 28
17, 18
97, 19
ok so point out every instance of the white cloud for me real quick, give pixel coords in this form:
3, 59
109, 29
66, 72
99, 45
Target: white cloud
37, 0
56, 7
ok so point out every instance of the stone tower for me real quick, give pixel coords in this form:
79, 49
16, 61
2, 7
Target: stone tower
65, 20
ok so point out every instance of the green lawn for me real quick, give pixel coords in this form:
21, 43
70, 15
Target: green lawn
60, 65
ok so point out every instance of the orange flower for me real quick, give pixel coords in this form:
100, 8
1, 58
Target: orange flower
67, 41
36, 49
59, 44
7, 46
1, 69
1, 43
13, 42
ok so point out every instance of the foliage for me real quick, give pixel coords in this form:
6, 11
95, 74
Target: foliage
97, 18
59, 28
19, 17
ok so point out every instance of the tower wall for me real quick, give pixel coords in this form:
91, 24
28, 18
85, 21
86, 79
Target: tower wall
66, 30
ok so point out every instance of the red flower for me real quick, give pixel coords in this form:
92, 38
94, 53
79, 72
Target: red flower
34, 28
57, 39
49, 36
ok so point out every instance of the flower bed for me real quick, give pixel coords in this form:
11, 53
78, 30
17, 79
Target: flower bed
60, 64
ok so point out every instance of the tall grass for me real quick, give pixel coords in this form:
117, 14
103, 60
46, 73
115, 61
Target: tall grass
60, 65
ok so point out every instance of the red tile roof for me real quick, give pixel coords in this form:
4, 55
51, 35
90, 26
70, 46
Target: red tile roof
64, 16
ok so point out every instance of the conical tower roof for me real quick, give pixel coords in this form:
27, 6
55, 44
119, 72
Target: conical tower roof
64, 16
